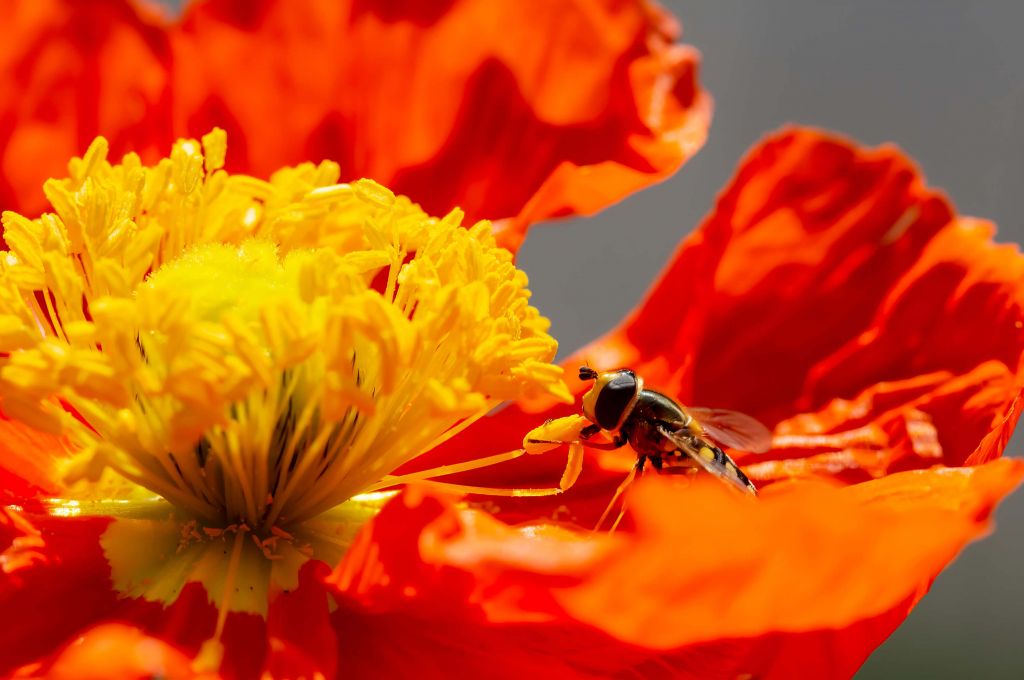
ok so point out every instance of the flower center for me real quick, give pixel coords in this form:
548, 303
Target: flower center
255, 352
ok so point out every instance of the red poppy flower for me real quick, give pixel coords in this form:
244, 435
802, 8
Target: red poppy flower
452, 103
884, 466
830, 294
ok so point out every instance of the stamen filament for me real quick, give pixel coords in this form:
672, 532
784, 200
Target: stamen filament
285, 478
453, 431
443, 470
173, 494
493, 491
299, 507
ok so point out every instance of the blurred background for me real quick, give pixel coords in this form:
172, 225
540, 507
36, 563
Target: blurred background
944, 79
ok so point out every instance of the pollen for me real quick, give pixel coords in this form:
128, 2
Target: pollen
254, 352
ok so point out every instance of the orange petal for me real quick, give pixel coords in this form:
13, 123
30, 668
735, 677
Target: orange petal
805, 258
465, 595
832, 295
70, 70
27, 461
519, 110
21, 544
705, 564
804, 583
515, 112
830, 272
116, 650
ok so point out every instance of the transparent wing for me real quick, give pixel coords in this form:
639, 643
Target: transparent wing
733, 429
712, 459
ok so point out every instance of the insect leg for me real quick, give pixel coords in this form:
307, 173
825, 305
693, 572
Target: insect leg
638, 469
656, 463
573, 466
616, 443
615, 524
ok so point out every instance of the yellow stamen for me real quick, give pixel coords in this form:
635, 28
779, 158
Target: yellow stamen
256, 352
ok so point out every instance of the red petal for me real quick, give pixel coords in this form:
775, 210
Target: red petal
57, 596
67, 591
56, 584
300, 638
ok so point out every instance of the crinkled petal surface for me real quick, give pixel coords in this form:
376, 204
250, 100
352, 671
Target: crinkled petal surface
514, 111
834, 296
803, 584
837, 298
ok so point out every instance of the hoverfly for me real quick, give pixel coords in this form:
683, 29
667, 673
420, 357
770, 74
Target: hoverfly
660, 430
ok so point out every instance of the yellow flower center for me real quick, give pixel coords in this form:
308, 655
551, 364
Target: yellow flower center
255, 352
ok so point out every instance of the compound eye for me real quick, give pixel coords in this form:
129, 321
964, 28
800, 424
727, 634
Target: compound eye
614, 398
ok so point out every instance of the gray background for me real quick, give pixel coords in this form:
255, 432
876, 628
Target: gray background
943, 79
